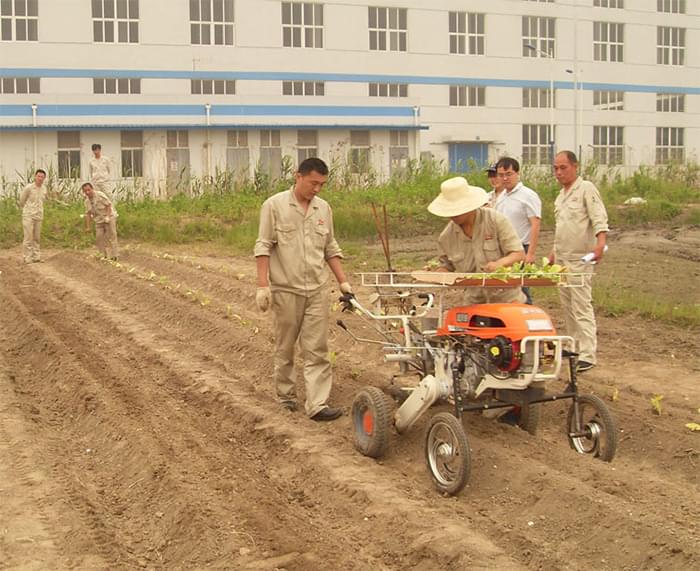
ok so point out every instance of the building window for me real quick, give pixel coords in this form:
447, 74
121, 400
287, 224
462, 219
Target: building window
537, 149
211, 22
303, 88
669, 145
670, 45
302, 25
359, 159
609, 100
670, 102
115, 21
537, 97
466, 32
608, 41
113, 85
213, 87
132, 153
608, 145
538, 36
68, 154
388, 90
19, 20
671, 6
465, 96
307, 144
270, 153
237, 152
609, 3
388, 29
398, 152
19, 85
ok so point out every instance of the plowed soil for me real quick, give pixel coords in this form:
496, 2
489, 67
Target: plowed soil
138, 429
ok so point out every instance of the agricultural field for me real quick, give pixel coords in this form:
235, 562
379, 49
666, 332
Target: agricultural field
138, 428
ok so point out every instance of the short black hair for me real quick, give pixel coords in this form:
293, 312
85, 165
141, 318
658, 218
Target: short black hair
96, 146
312, 164
570, 155
508, 162
37, 171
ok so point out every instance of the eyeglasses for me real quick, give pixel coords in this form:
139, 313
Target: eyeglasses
506, 174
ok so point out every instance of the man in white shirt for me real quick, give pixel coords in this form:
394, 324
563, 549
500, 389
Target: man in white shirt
522, 206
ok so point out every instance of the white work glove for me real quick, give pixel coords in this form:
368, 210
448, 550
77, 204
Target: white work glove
263, 298
107, 219
345, 287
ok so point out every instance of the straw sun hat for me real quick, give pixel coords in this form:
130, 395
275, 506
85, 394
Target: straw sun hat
457, 197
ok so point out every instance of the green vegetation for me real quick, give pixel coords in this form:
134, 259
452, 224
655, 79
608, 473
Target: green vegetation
224, 213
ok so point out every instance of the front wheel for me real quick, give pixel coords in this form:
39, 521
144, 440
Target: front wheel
371, 419
447, 453
592, 428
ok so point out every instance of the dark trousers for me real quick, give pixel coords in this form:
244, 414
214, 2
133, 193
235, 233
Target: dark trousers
526, 290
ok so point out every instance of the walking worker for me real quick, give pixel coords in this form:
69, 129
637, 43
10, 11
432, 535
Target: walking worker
295, 247
99, 209
581, 228
522, 206
477, 238
102, 172
32, 203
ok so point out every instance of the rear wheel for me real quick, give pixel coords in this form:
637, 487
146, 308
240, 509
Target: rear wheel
371, 419
526, 417
447, 453
592, 428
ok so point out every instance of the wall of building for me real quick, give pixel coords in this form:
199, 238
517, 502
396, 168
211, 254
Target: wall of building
66, 58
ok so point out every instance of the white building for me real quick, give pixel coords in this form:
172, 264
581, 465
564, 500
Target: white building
173, 88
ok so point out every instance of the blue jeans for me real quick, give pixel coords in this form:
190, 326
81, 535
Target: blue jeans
526, 290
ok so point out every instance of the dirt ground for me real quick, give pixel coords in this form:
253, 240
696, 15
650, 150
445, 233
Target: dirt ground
138, 430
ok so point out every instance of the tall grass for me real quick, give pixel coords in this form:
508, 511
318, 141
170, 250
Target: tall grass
224, 208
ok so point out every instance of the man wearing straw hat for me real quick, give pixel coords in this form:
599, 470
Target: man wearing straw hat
476, 239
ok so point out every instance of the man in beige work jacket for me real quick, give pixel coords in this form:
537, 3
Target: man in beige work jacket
99, 209
581, 228
294, 249
32, 203
102, 173
476, 239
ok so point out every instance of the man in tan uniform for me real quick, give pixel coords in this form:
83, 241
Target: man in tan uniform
581, 228
294, 249
102, 173
99, 209
476, 239
32, 203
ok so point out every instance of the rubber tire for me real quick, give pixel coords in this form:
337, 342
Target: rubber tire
454, 484
607, 448
529, 418
372, 420
529, 421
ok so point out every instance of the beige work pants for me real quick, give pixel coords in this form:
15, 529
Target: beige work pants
106, 238
31, 249
306, 319
577, 303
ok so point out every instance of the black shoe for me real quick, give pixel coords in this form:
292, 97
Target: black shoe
289, 405
584, 366
327, 413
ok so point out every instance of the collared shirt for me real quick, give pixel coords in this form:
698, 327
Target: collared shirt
298, 244
492, 238
580, 216
99, 207
32, 202
518, 205
101, 170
